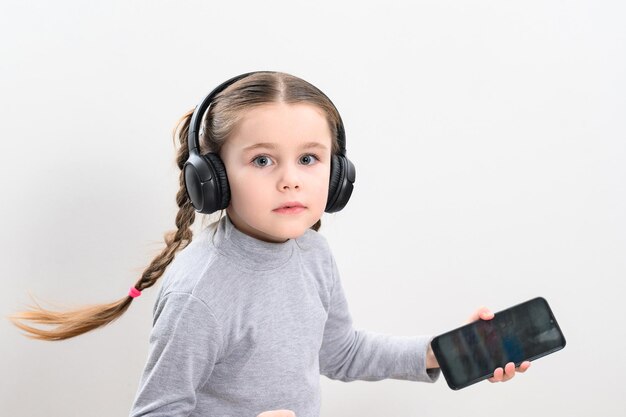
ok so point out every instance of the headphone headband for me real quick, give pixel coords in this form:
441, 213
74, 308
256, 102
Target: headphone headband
193, 140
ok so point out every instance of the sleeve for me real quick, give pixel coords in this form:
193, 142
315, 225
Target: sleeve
184, 344
347, 354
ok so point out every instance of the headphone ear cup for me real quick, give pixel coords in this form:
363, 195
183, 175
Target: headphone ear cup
342, 177
222, 193
206, 183
335, 180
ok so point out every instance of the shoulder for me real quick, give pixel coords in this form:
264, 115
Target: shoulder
190, 265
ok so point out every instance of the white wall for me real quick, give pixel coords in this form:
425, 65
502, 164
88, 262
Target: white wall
489, 139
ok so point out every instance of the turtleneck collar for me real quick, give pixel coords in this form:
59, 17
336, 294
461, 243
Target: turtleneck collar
248, 251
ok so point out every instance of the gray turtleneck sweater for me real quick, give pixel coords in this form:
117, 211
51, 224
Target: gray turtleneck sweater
243, 326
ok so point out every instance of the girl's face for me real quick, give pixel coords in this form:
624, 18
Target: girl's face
279, 154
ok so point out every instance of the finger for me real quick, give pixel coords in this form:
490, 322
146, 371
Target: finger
486, 314
523, 366
509, 371
482, 313
497, 375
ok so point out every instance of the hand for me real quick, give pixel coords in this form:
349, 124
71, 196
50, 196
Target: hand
499, 375
277, 413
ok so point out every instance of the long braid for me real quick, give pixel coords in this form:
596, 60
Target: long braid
177, 239
76, 322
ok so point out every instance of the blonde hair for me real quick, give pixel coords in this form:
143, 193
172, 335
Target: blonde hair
218, 123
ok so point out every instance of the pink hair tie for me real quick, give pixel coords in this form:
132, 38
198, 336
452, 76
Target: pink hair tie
134, 292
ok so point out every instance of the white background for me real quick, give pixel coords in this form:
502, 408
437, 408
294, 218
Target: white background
489, 139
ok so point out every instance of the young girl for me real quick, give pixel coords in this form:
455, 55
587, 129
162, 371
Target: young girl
252, 311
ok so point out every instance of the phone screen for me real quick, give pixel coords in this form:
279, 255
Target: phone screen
471, 353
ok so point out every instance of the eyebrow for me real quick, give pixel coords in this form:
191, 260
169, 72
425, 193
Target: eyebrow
273, 146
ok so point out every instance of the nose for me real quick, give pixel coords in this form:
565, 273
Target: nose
289, 178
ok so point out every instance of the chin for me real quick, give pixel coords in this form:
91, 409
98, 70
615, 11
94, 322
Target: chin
291, 234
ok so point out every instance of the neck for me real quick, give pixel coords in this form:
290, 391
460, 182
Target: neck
248, 251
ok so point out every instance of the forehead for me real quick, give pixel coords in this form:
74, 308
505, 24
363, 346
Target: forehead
282, 125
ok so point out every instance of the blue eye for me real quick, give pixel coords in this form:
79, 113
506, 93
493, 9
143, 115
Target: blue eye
261, 161
306, 159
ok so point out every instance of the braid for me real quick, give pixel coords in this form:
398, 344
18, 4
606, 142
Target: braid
73, 323
177, 239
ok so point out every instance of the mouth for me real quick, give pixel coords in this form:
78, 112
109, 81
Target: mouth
292, 207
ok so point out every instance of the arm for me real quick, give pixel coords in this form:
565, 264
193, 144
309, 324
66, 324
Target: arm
184, 345
348, 354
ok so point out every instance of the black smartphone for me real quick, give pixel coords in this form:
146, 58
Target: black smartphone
472, 352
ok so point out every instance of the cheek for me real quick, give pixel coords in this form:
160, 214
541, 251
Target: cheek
322, 183
324, 176
244, 191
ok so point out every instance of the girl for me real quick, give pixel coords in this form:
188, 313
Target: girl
252, 311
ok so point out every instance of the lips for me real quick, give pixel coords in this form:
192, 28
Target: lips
291, 204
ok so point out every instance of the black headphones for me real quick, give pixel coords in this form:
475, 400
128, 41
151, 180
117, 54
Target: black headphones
205, 175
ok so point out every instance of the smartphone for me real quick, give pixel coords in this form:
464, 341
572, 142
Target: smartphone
471, 353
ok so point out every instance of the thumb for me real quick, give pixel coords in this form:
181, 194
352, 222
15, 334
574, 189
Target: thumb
483, 313
277, 413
